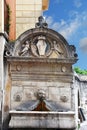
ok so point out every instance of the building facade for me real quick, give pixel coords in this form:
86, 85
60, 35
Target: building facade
17, 16
1, 16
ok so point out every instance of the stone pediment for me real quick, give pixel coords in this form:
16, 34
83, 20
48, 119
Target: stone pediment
43, 43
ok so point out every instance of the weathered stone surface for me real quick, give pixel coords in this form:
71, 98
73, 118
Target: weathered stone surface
24, 16
41, 79
42, 120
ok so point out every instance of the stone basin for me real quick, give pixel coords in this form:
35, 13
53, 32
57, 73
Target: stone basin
38, 119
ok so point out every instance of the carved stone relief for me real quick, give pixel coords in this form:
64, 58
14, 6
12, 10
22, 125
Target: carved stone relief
18, 67
41, 94
40, 46
17, 97
24, 49
42, 42
64, 69
64, 98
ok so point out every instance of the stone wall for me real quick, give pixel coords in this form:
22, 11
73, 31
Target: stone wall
81, 83
83, 91
2, 43
27, 12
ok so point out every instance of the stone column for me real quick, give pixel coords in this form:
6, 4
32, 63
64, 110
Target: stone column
1, 15
2, 43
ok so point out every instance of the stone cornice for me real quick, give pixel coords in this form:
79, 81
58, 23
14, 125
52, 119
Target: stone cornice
49, 60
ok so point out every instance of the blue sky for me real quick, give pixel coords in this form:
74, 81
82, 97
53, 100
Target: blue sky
69, 18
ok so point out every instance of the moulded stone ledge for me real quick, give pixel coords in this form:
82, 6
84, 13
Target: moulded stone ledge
33, 119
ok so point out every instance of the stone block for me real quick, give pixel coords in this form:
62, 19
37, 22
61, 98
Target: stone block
37, 14
28, 14
19, 8
16, 91
25, 20
28, 7
54, 93
19, 2
19, 29
29, 94
38, 2
38, 7
28, 26
19, 14
42, 120
13, 105
30, 2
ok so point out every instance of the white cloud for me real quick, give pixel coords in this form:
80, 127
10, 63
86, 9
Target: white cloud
70, 27
66, 28
83, 44
49, 20
77, 3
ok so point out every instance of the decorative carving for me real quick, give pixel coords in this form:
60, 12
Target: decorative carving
41, 23
41, 95
41, 45
8, 49
25, 49
64, 98
57, 48
63, 69
18, 67
73, 51
17, 97
42, 42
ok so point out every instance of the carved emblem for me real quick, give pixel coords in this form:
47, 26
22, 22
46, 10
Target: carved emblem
17, 97
40, 47
64, 69
18, 67
64, 98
